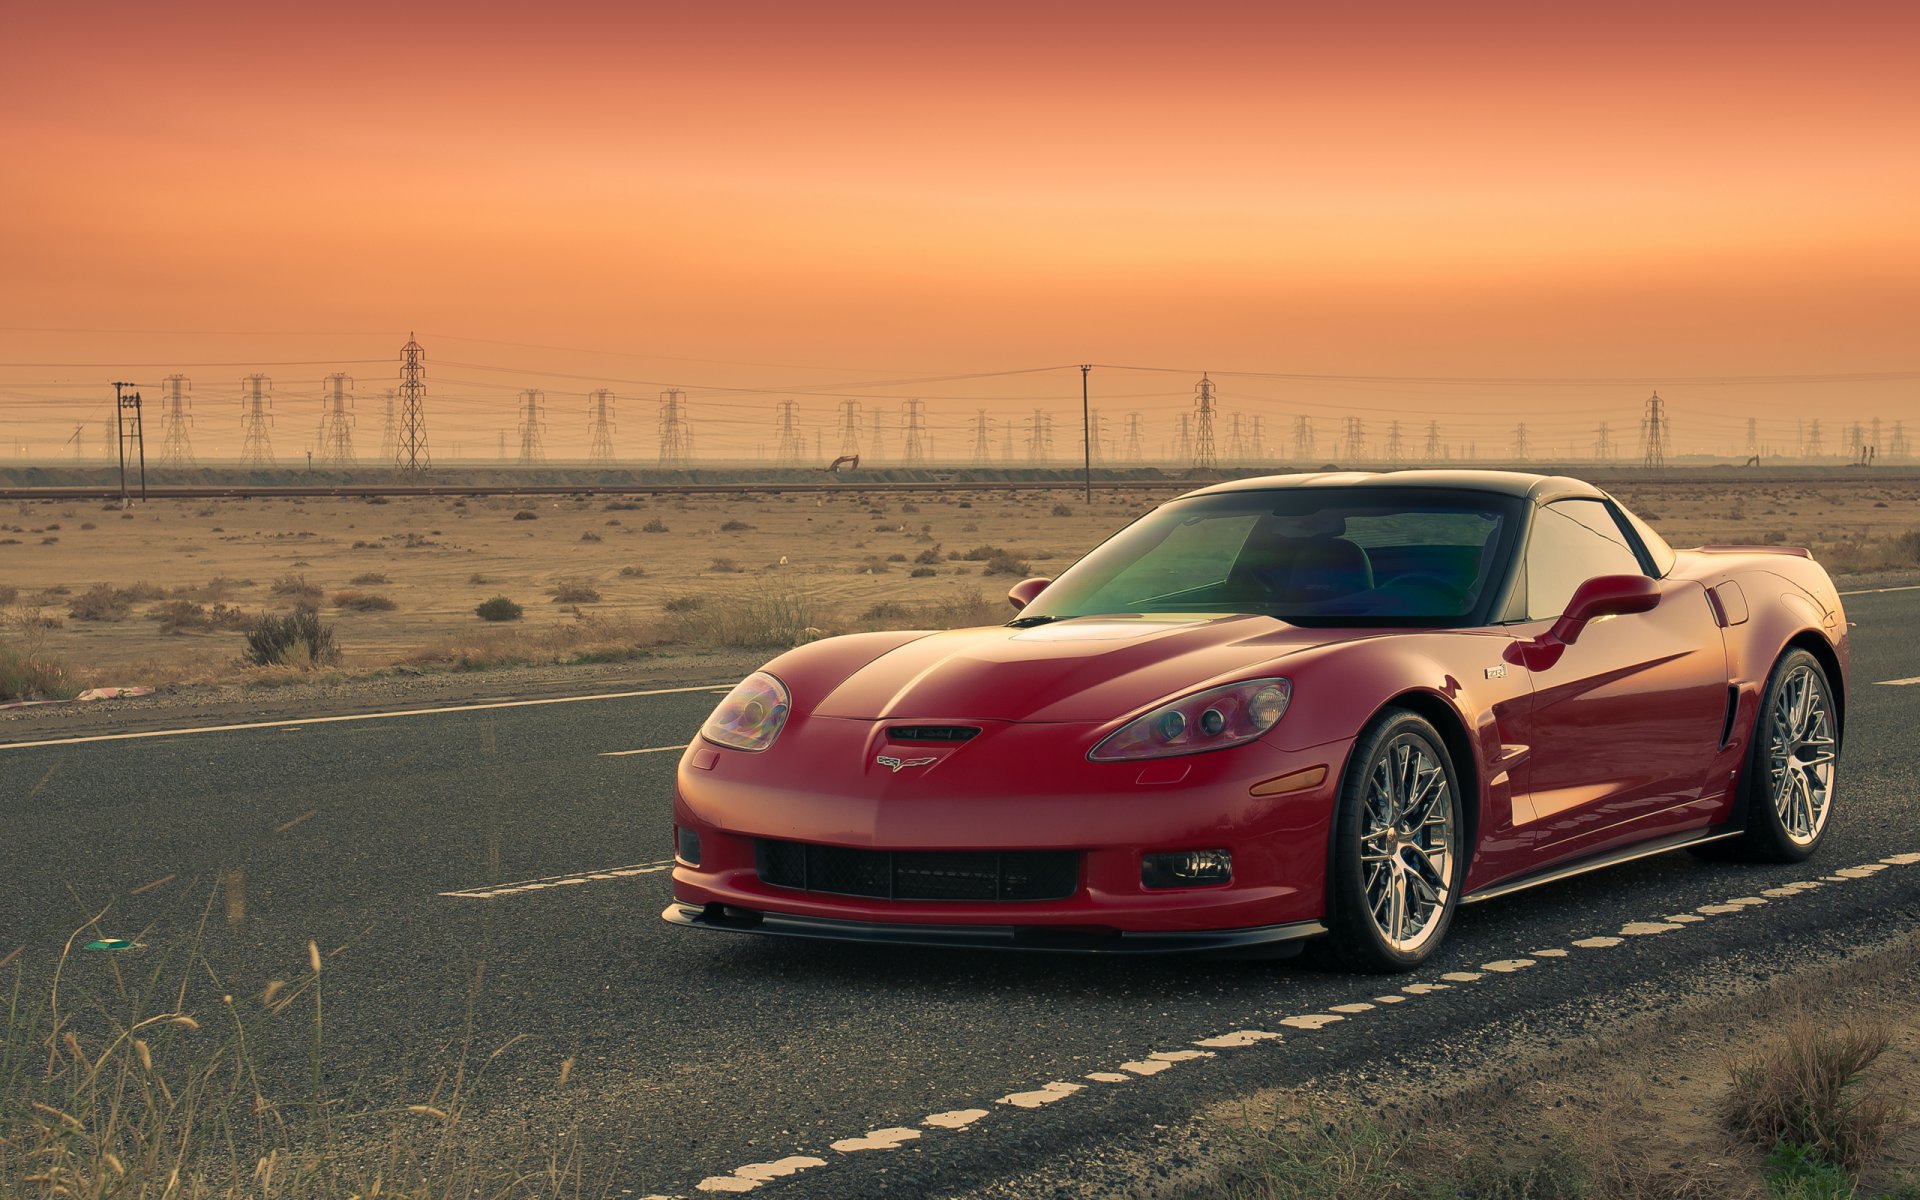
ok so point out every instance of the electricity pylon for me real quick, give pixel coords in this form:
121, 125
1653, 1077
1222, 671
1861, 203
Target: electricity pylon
175, 449
1132, 452
1520, 446
1654, 433
788, 447
1303, 438
410, 446
1039, 437
600, 424
256, 448
676, 438
980, 455
1433, 441
914, 418
533, 423
1204, 457
336, 432
1602, 444
1393, 442
850, 428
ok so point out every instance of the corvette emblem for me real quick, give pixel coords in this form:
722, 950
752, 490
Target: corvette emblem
897, 764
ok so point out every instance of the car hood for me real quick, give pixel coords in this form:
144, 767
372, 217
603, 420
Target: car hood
1086, 669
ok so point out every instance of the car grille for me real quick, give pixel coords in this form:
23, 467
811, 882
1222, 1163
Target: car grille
921, 874
932, 733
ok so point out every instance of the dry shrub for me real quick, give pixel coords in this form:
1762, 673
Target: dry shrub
588, 640
734, 527
369, 579
296, 639
297, 589
28, 675
8, 594
1006, 564
362, 601
1804, 1090
525, 515
181, 616
101, 602
498, 608
632, 572
574, 590
745, 620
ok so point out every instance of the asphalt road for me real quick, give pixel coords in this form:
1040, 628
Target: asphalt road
698, 1055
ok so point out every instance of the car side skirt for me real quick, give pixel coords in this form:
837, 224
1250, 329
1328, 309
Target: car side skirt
999, 937
1599, 862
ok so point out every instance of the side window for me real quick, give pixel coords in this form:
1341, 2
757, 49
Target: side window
1572, 541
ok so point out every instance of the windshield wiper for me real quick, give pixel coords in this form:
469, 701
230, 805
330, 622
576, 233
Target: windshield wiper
1029, 622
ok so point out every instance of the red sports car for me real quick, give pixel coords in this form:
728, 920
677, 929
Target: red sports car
1326, 705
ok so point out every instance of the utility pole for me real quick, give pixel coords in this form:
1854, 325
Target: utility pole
126, 406
676, 439
533, 422
256, 448
914, 450
175, 449
789, 449
1653, 433
410, 452
1204, 458
1086, 432
600, 422
336, 433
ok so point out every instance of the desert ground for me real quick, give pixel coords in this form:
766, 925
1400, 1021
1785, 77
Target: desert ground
163, 592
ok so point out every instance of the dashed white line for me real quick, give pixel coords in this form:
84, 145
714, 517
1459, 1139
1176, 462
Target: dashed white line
648, 750
576, 879
1909, 682
1911, 587
379, 716
754, 1174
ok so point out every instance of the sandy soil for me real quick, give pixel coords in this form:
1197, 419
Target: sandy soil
436, 558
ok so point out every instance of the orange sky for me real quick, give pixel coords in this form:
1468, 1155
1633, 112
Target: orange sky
1647, 191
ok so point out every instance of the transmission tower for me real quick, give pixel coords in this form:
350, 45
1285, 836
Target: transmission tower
1855, 440
1873, 436
1602, 444
1040, 437
676, 439
256, 448
1356, 439
789, 447
336, 432
1133, 451
1257, 439
1753, 438
533, 424
1654, 433
600, 424
879, 434
410, 451
850, 428
980, 455
1236, 440
390, 430
175, 416
1520, 448
1433, 441
1303, 438
1006, 443
1897, 443
109, 441
1393, 442
914, 418
1204, 458
1183, 437
1813, 439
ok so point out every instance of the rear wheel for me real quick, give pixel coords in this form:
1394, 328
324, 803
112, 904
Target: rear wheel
1789, 778
1397, 859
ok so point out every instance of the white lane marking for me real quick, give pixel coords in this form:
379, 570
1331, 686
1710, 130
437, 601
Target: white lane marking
1461, 976
1909, 682
379, 716
1911, 587
1646, 928
648, 750
751, 1176
489, 891
743, 1178
879, 1139
959, 1118
1351, 1009
1046, 1095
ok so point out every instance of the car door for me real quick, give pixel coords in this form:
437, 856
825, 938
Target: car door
1625, 720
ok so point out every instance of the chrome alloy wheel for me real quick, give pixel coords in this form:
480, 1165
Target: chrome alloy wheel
1800, 754
1406, 844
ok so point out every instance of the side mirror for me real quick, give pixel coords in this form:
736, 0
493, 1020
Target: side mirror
1604, 596
1022, 594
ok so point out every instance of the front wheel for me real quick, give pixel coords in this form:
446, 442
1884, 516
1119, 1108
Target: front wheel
1790, 768
1397, 857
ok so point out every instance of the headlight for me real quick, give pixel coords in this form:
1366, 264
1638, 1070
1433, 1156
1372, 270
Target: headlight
751, 715
1209, 720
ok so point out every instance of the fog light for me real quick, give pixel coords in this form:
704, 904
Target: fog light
686, 846
1186, 868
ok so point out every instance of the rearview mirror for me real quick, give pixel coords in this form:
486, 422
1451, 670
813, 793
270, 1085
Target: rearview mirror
1022, 594
1604, 596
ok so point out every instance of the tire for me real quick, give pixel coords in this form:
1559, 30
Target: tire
1786, 787
1394, 837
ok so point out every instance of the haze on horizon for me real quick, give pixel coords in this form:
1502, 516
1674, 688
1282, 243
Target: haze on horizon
819, 201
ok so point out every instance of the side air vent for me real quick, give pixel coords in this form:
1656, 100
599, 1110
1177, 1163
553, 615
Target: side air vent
931, 733
1733, 707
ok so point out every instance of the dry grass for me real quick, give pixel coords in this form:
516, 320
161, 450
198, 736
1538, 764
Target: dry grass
154, 1087
26, 675
1805, 1089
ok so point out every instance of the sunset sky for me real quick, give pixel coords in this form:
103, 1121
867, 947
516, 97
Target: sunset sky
760, 200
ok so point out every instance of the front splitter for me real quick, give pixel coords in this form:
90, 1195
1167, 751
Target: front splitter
1044, 938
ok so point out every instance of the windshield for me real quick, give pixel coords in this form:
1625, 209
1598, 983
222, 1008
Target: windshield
1398, 556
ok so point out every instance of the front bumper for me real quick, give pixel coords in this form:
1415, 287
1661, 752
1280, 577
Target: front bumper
1055, 939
